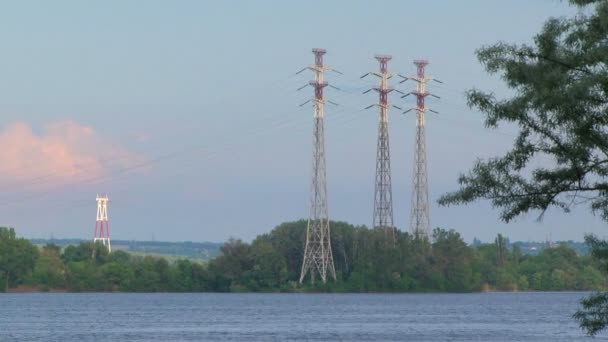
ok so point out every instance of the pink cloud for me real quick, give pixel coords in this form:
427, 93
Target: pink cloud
64, 153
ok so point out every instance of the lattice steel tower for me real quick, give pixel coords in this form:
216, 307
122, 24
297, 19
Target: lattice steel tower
420, 210
318, 257
383, 196
102, 228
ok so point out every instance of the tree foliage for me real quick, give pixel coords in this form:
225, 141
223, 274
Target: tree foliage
17, 258
560, 108
560, 155
272, 262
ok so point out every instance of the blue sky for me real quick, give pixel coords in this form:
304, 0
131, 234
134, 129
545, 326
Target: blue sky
186, 113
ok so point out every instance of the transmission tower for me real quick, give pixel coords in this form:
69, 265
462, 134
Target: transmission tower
102, 229
383, 197
317, 253
420, 209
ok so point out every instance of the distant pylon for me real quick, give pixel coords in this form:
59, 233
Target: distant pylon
318, 257
383, 195
102, 228
420, 216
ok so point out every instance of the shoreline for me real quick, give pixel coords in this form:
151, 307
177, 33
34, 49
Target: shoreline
30, 289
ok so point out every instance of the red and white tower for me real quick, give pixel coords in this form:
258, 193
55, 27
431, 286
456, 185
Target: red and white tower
102, 228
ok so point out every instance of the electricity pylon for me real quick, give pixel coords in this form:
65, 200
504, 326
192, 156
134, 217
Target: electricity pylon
383, 195
318, 257
102, 228
420, 215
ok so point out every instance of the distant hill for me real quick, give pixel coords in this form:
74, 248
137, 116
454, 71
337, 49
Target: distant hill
535, 247
209, 250
186, 249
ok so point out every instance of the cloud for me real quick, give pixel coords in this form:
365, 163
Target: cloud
64, 153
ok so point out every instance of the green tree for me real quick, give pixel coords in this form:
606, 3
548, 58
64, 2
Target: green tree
270, 267
117, 276
485, 264
181, 276
17, 257
561, 87
516, 254
364, 264
201, 278
591, 278
228, 268
288, 239
86, 251
453, 259
501, 250
49, 271
560, 106
522, 283
84, 276
118, 271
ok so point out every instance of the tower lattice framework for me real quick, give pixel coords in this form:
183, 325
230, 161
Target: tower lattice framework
383, 195
102, 227
420, 216
318, 258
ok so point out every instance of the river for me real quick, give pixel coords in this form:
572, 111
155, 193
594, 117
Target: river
290, 317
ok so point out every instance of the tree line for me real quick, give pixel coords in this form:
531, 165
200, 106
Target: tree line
271, 263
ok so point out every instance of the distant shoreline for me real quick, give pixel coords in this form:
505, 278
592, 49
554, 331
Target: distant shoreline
31, 289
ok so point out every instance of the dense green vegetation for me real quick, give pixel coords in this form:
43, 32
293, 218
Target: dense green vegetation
272, 262
17, 257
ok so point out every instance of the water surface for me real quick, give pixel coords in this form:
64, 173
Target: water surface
290, 317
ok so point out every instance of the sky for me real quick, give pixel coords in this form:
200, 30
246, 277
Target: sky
186, 114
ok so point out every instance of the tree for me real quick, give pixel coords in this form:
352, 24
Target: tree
289, 239
181, 276
230, 267
17, 257
501, 250
95, 251
561, 109
453, 259
49, 271
562, 114
270, 267
516, 255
